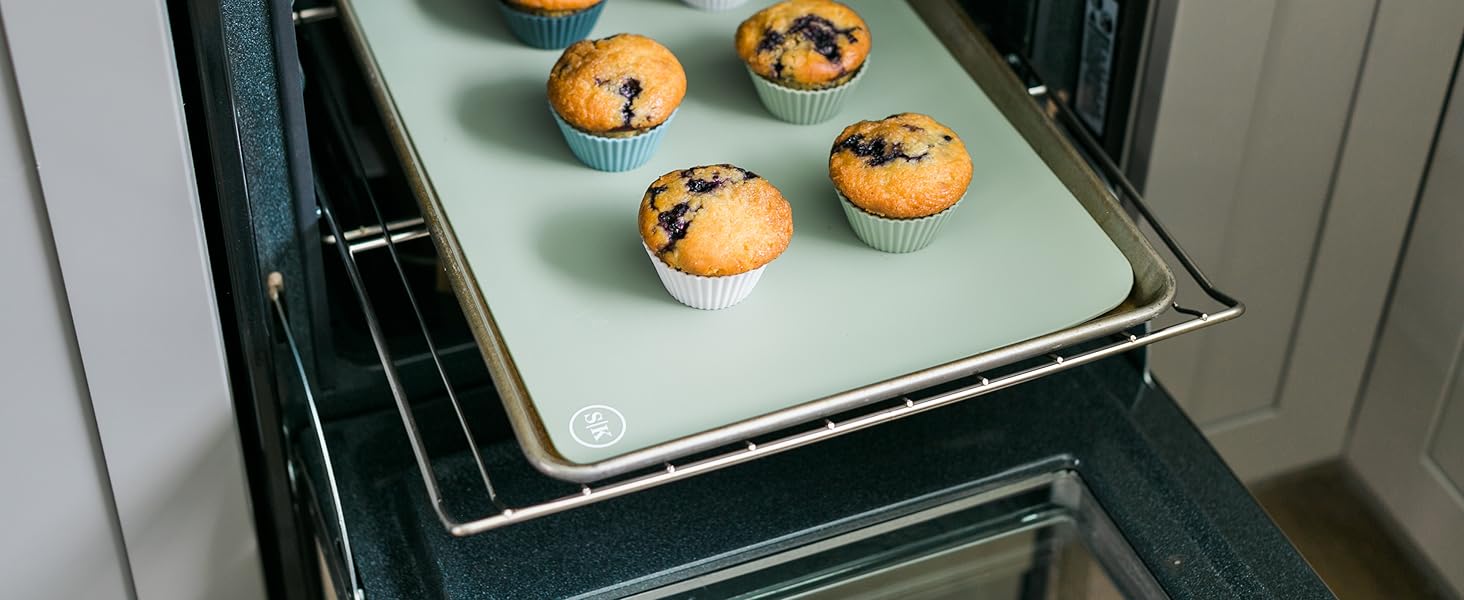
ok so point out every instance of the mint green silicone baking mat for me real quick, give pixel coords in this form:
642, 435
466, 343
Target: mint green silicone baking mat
608, 361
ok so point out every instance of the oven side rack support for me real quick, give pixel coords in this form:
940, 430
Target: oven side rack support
274, 285
387, 235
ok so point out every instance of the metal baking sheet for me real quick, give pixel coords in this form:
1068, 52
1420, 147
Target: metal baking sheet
600, 371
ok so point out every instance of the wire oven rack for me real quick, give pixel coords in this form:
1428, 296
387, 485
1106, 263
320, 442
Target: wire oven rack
383, 235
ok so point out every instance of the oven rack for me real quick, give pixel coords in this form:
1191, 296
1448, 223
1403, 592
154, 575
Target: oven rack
385, 235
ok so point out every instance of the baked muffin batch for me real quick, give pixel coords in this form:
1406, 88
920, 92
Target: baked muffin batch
710, 231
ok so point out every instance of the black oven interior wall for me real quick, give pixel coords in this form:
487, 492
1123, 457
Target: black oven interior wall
1087, 52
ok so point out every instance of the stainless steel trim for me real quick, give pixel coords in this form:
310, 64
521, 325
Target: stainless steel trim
373, 237
374, 230
384, 241
311, 15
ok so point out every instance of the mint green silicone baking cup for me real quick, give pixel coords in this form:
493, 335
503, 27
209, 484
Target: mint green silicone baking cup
550, 33
894, 235
612, 154
804, 107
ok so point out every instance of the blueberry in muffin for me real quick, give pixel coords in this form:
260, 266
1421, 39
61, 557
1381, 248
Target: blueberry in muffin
619, 86
904, 166
804, 44
715, 221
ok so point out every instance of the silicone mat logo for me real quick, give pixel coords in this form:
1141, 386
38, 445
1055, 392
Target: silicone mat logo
597, 426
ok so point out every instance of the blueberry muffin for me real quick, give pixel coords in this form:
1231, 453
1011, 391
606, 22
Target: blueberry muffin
619, 86
551, 8
715, 221
804, 44
904, 166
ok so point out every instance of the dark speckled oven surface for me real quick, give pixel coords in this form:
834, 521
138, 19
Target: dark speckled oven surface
1189, 520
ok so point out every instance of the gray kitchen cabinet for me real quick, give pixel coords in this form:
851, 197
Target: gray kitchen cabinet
55, 498
1408, 445
1285, 158
122, 470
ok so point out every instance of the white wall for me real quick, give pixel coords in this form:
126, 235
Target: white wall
103, 109
60, 536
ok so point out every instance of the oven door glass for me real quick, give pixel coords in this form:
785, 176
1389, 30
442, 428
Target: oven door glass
1034, 539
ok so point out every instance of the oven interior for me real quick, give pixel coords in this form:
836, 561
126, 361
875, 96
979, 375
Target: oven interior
377, 296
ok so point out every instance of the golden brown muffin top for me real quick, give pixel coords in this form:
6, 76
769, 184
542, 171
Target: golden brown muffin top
715, 220
552, 6
904, 166
621, 83
804, 44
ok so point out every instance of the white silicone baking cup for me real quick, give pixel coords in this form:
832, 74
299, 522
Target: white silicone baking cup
705, 293
715, 5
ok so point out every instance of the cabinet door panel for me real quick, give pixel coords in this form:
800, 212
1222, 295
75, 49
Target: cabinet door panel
1295, 197
1408, 443
60, 535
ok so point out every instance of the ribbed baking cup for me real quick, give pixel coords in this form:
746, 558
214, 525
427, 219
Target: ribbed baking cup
894, 235
715, 5
706, 293
804, 107
550, 33
609, 153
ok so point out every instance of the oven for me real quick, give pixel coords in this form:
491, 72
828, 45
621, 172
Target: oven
381, 463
